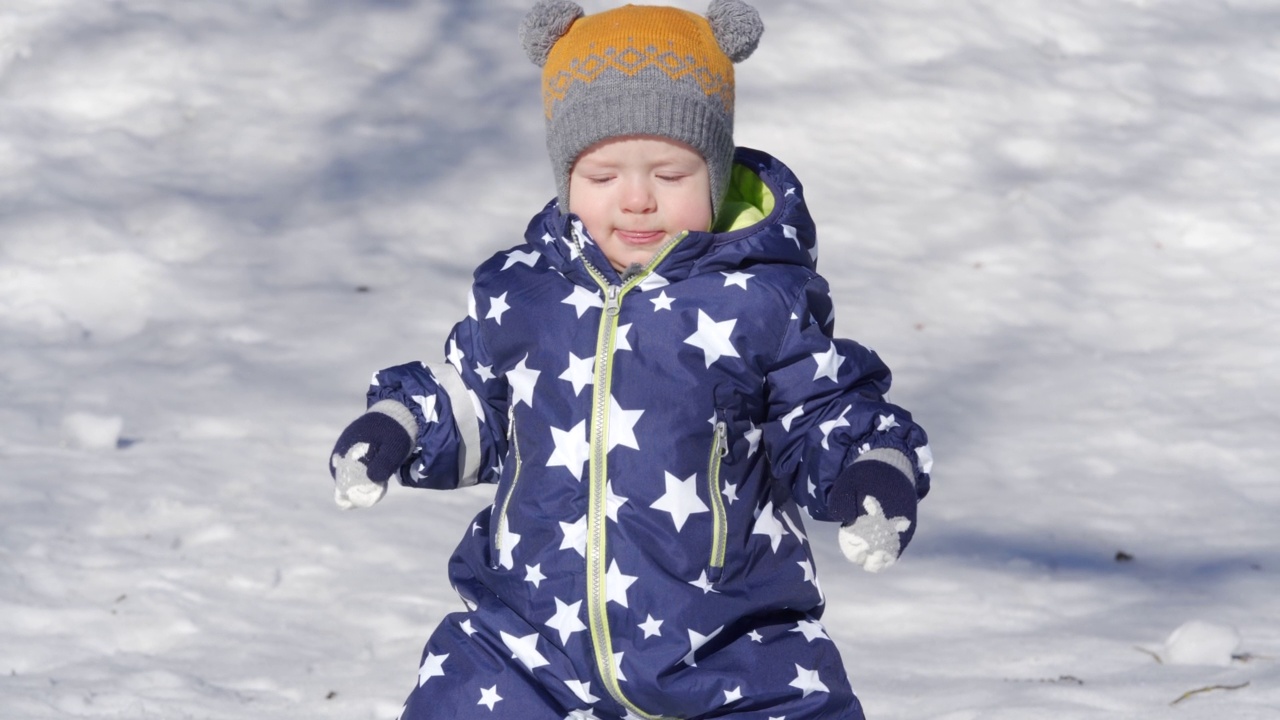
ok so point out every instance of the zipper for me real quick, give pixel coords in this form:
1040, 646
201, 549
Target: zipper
719, 523
511, 489
597, 503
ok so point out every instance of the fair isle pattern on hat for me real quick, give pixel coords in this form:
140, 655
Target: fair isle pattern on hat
631, 40
640, 70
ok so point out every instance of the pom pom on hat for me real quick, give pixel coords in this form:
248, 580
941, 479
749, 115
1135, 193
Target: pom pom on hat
737, 27
546, 23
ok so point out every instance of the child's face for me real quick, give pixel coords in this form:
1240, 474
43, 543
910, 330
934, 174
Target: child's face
635, 193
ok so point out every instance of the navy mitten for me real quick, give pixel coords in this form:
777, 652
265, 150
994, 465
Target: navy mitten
369, 452
877, 494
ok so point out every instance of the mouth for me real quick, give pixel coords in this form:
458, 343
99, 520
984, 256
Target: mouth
640, 237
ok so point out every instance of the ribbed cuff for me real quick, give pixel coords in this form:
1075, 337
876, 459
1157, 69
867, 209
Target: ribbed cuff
401, 414
891, 457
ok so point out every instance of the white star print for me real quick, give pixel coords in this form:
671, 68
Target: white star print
696, 641
651, 627
523, 380
924, 458
575, 536
617, 666
612, 501
713, 338
566, 620
620, 341
732, 695
466, 627
581, 372
582, 690
753, 439
533, 574
573, 247
432, 666
484, 372
792, 526
622, 425
583, 299
791, 417
680, 499
737, 278
809, 575
489, 697
807, 682
829, 363
662, 302
497, 306
790, 233
572, 448
547, 238
428, 405
755, 636
831, 425
730, 492
767, 524
455, 355
704, 584
887, 423
524, 649
653, 281
811, 629
509, 542
529, 258
616, 584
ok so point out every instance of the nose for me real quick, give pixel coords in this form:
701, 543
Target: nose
638, 197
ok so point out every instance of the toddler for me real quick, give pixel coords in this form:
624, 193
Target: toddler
651, 381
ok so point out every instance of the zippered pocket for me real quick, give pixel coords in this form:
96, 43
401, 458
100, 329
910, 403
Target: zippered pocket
719, 519
500, 529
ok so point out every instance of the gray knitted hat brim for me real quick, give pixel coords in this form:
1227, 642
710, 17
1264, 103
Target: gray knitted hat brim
620, 111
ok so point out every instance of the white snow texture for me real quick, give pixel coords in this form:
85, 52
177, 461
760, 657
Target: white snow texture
1055, 220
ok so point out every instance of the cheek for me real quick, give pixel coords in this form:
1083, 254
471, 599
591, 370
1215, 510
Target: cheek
696, 214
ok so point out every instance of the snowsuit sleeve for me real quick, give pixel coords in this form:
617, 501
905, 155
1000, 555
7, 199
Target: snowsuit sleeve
827, 406
460, 410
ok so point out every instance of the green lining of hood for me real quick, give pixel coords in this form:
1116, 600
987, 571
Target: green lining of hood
747, 202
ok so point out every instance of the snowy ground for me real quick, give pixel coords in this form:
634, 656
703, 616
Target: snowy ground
1054, 218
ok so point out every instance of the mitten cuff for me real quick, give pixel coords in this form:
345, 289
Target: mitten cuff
892, 457
398, 412
885, 473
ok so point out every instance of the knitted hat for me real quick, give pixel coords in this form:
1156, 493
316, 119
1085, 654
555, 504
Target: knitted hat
640, 70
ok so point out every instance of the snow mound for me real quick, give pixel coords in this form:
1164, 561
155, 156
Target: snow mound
92, 432
1201, 643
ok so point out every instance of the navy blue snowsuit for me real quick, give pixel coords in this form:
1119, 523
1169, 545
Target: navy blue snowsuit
653, 439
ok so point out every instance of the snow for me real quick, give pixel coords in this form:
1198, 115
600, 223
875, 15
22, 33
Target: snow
1202, 643
1050, 217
